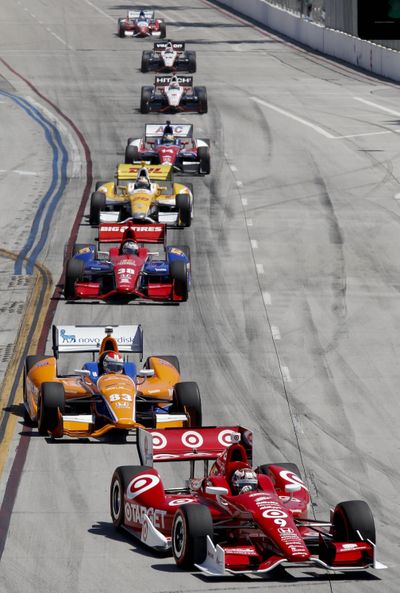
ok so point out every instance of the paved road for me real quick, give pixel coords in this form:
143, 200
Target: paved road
292, 326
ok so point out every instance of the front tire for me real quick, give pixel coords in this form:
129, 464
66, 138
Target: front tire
192, 524
51, 404
351, 518
187, 400
163, 30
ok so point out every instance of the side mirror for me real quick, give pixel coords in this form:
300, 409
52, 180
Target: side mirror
217, 490
146, 373
292, 488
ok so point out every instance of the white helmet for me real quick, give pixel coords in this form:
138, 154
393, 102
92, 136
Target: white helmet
244, 480
130, 247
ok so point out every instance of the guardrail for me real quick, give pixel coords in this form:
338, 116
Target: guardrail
364, 54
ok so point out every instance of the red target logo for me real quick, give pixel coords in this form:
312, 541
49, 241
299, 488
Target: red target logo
159, 440
192, 439
141, 484
225, 437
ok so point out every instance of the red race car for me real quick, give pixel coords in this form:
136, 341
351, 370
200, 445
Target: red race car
141, 23
234, 519
129, 271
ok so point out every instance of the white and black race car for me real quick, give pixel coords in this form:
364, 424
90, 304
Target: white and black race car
169, 56
173, 94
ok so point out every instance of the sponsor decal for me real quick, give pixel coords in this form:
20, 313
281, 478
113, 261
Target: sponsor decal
192, 439
69, 339
140, 484
225, 438
126, 397
122, 405
122, 229
136, 513
159, 440
292, 478
178, 501
43, 363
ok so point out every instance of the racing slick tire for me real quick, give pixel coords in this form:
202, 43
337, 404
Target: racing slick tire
202, 102
146, 57
122, 476
291, 467
184, 208
51, 403
30, 362
97, 204
351, 519
203, 154
168, 357
180, 279
187, 400
74, 271
121, 30
131, 154
191, 57
192, 524
99, 184
145, 99
163, 30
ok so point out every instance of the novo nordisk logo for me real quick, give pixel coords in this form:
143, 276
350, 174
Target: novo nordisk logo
69, 339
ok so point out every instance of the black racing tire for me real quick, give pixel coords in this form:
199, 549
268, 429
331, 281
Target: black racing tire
192, 524
121, 30
351, 517
180, 279
99, 184
203, 154
169, 358
145, 99
131, 154
51, 403
146, 57
187, 400
97, 204
74, 271
163, 30
119, 483
184, 208
201, 93
191, 57
291, 467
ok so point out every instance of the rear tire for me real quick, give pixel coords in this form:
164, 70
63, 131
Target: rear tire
184, 208
201, 94
74, 271
191, 56
180, 280
350, 517
120, 481
203, 154
192, 524
97, 204
146, 57
187, 400
163, 30
131, 154
145, 99
51, 404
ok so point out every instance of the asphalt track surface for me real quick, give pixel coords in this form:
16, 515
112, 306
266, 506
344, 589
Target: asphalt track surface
292, 328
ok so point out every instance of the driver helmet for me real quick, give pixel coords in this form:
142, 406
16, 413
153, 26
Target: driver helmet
130, 248
174, 84
168, 139
113, 363
142, 182
244, 480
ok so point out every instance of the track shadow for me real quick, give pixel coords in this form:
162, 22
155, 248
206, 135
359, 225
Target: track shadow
109, 531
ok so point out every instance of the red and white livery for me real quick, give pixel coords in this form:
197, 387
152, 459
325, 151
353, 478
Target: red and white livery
141, 23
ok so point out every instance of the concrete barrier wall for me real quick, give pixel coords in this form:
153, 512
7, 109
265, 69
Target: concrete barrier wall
364, 54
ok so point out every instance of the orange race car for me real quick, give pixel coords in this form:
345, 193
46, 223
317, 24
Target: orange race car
108, 393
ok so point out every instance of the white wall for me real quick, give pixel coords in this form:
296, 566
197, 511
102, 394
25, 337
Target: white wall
365, 54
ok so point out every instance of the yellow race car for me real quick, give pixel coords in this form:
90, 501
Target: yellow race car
109, 393
144, 193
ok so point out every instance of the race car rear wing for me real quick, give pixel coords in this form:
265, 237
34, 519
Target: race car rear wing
134, 14
178, 130
156, 172
87, 338
190, 444
141, 233
186, 81
176, 45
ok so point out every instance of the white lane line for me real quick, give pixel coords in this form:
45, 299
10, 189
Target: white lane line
249, 221
254, 244
75, 157
381, 107
239, 183
180, 28
397, 196
99, 10
233, 168
18, 172
267, 298
290, 115
365, 134
276, 334
59, 38
244, 201
260, 269
286, 374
